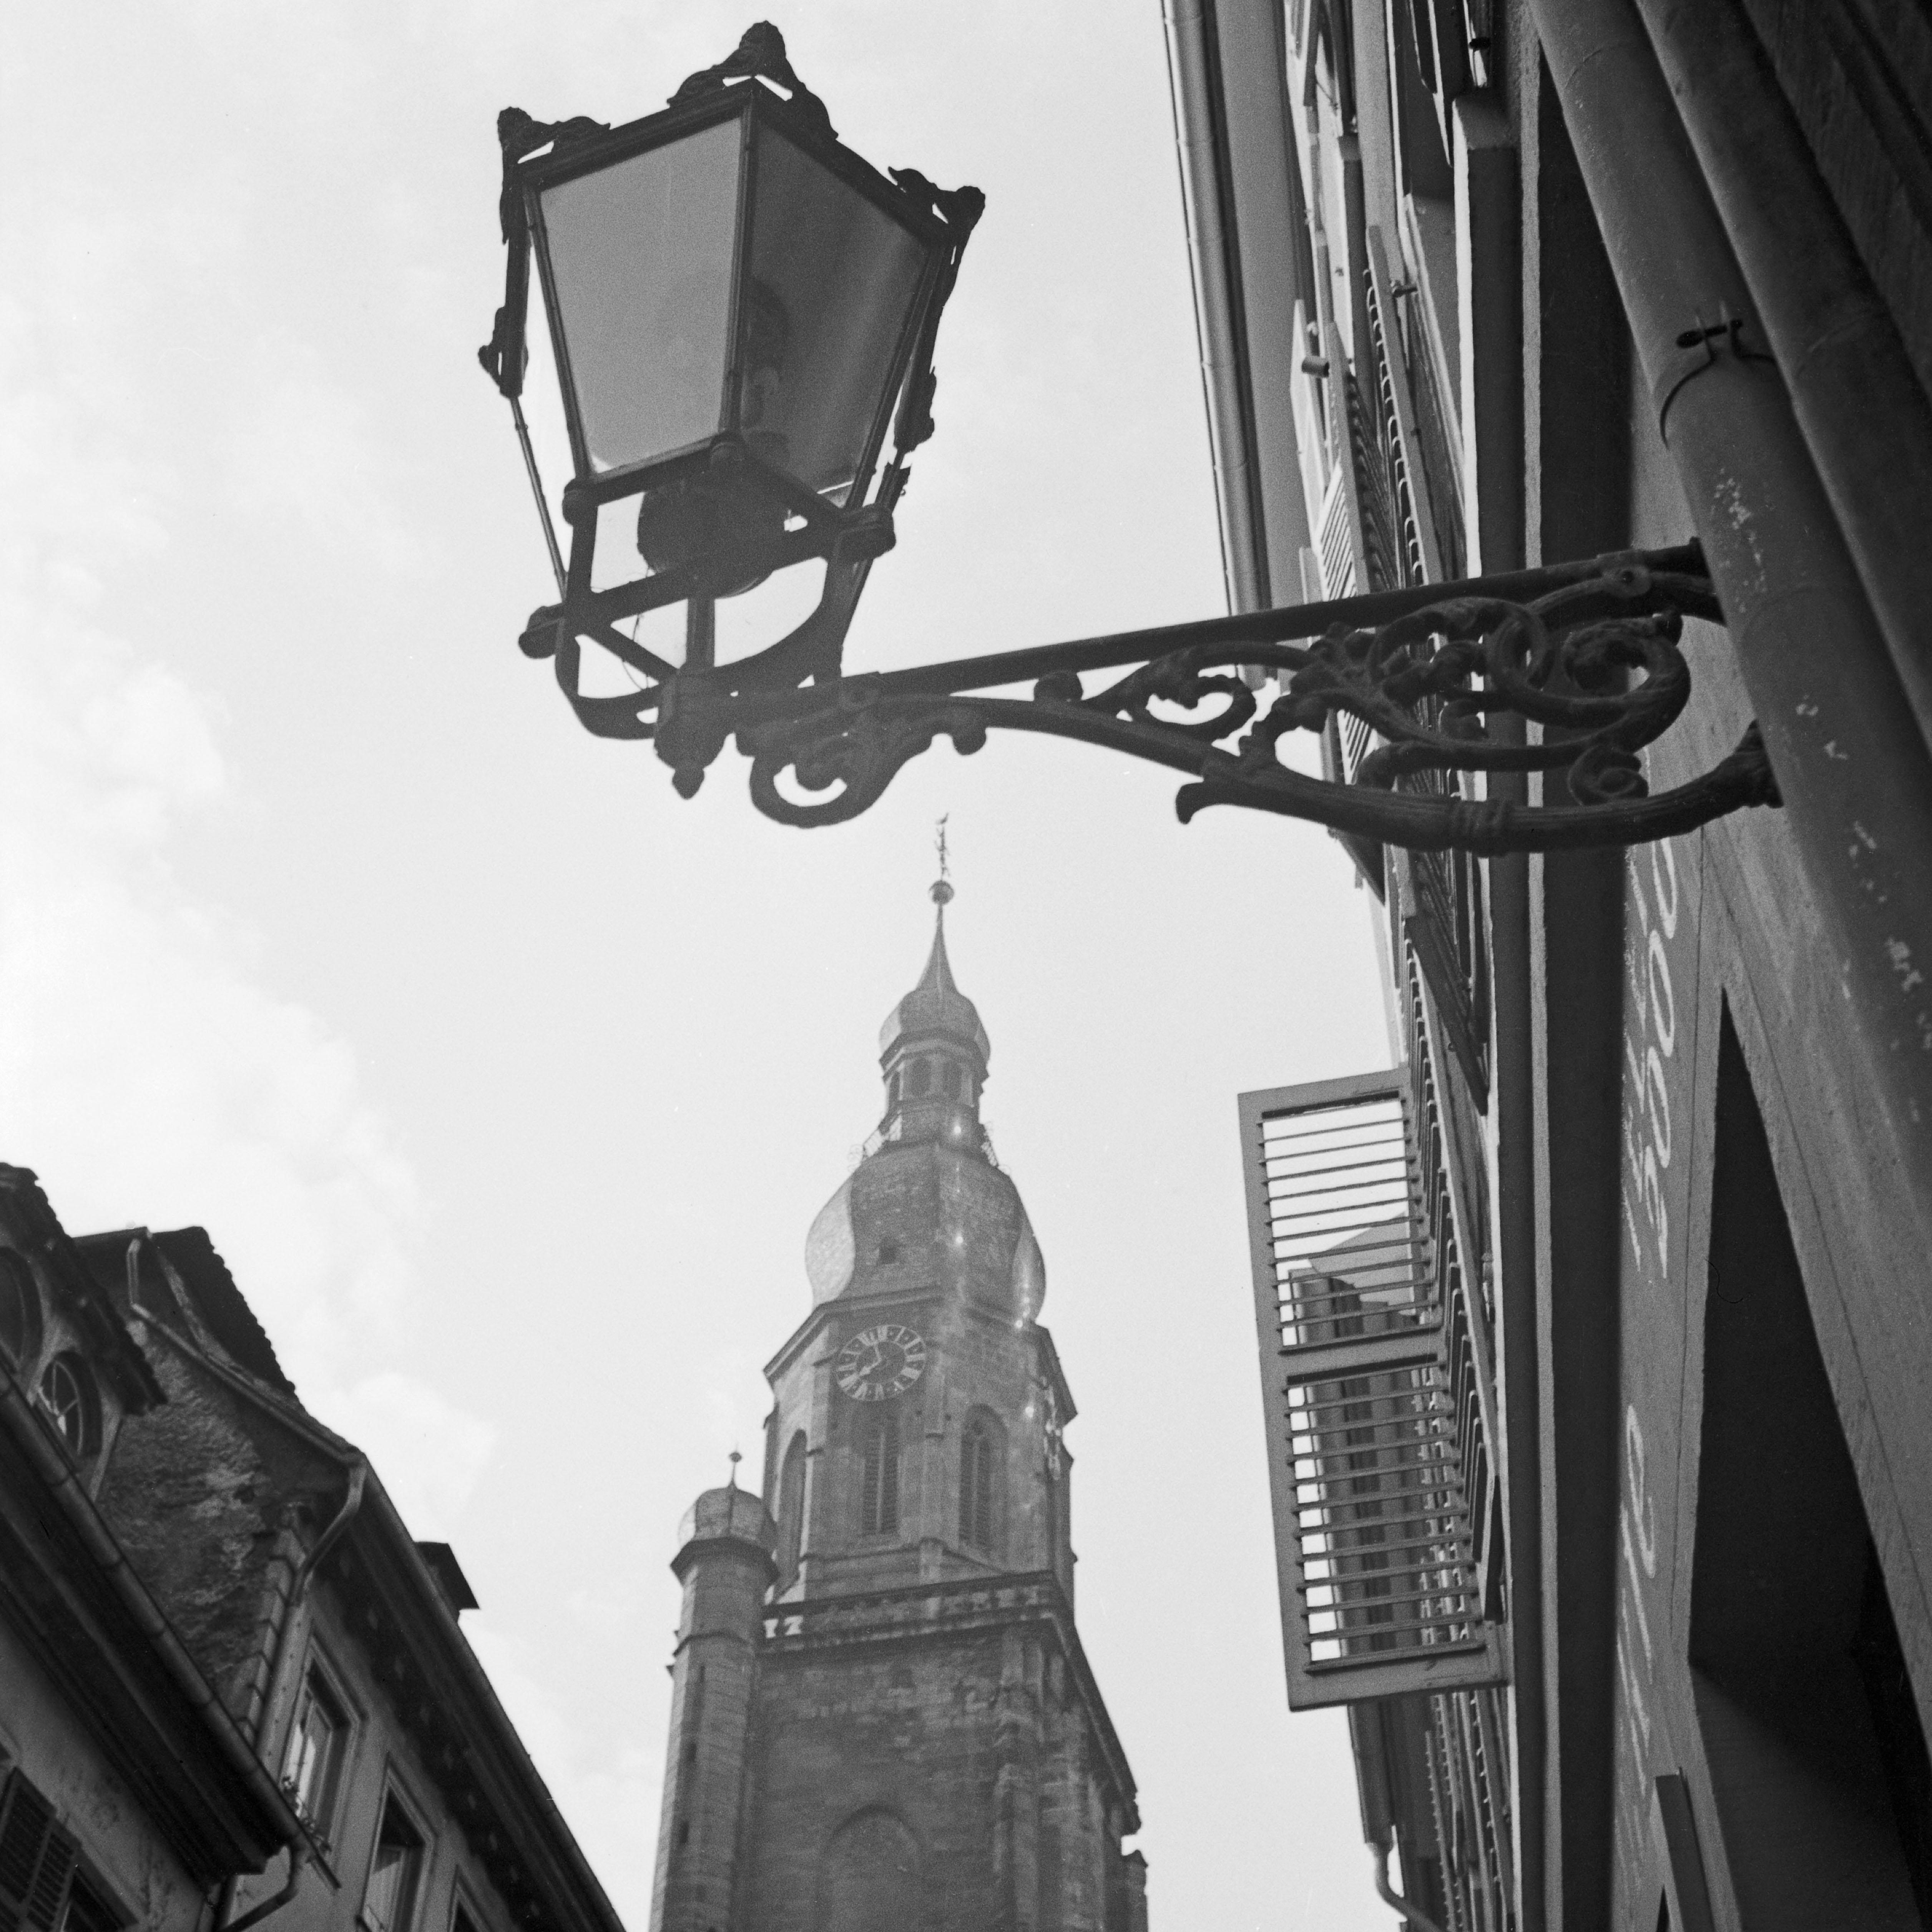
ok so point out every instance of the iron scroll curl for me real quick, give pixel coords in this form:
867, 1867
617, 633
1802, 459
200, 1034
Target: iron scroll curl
1597, 662
1592, 653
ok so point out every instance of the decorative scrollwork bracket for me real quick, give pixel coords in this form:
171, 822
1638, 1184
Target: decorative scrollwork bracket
1590, 652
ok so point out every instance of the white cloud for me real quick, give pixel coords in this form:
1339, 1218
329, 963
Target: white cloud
299, 444
147, 1071
611, 1794
429, 1453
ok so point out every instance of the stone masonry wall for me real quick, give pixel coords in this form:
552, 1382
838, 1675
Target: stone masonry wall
974, 1742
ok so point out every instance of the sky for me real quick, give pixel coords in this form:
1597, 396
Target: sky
508, 1082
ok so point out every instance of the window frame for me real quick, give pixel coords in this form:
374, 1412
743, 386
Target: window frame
74, 1870
15, 1267
791, 1494
980, 1443
322, 1819
71, 1362
465, 1910
874, 1524
412, 1813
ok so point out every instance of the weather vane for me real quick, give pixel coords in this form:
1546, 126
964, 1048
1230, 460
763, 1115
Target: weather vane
942, 888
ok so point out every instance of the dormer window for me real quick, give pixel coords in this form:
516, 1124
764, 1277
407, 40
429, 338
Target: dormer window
19, 1311
68, 1397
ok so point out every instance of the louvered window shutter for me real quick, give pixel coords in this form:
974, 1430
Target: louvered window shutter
879, 1486
1375, 1543
37, 1860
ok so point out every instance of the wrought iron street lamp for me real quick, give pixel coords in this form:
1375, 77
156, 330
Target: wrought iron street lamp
743, 314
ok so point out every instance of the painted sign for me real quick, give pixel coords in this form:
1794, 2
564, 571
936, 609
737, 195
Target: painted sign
1664, 1005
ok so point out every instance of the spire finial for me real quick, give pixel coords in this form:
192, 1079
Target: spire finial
942, 888
731, 1482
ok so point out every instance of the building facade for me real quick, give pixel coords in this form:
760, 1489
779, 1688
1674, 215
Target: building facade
129, 1793
882, 1718
1594, 1331
233, 1687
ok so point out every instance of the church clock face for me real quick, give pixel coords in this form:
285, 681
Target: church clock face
881, 1362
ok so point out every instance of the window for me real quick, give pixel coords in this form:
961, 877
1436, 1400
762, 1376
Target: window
19, 1311
879, 1488
977, 1453
791, 1511
391, 1896
316, 1747
37, 1860
67, 1395
889, 1251
1819, 1767
919, 1079
868, 1877
86, 1911
949, 1079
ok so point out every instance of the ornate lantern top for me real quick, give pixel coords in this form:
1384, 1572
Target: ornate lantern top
738, 304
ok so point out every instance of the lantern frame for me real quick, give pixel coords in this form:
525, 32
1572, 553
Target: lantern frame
800, 523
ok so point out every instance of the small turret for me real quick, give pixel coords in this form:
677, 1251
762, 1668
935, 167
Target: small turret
725, 1563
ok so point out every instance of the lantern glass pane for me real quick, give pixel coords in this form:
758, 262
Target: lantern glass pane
832, 281
640, 260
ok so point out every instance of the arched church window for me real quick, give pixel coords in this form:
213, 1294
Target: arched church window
977, 1454
868, 1877
19, 1311
919, 1077
879, 1484
791, 1511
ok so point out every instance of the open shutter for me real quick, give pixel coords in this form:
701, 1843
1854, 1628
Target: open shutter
1341, 551
37, 1860
1368, 1438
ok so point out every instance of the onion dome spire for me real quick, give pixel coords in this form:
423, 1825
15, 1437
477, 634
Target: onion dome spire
933, 1050
927, 1203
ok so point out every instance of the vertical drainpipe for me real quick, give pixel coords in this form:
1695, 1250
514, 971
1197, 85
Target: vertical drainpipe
1848, 754
264, 1710
1866, 419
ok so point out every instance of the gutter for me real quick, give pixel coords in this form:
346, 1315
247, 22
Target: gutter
373, 1500
1412, 1915
1848, 752
1220, 309
297, 1857
17, 1417
1866, 419
351, 1502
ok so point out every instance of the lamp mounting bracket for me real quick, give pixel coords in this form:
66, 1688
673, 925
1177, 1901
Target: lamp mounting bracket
1590, 652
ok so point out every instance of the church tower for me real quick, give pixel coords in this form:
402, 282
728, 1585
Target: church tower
882, 1719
